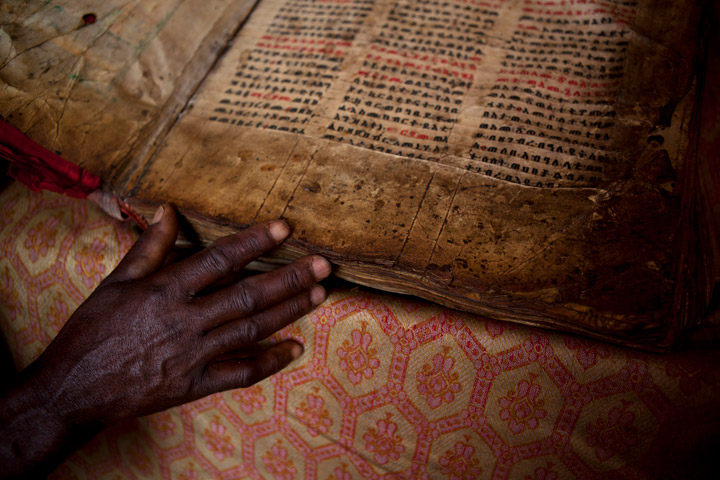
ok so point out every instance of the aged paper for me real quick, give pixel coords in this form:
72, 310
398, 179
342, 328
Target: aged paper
97, 82
513, 158
523, 159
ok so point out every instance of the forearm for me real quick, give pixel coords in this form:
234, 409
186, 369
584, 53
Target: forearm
35, 435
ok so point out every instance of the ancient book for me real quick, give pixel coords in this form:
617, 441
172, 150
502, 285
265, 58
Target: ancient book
531, 161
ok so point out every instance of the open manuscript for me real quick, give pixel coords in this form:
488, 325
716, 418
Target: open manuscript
528, 160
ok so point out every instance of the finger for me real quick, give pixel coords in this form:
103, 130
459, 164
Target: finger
226, 256
149, 252
256, 293
220, 376
228, 281
241, 354
246, 332
178, 253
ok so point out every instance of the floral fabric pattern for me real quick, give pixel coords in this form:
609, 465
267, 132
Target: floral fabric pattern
41, 238
358, 358
314, 414
387, 387
278, 463
437, 381
250, 399
460, 463
613, 433
522, 408
383, 441
218, 440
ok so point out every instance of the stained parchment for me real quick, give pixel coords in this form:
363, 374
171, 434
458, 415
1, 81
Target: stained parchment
521, 159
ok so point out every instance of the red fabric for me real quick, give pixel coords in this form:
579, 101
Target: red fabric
40, 169
130, 213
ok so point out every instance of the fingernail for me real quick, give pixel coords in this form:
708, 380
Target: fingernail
279, 230
317, 295
296, 351
158, 215
321, 267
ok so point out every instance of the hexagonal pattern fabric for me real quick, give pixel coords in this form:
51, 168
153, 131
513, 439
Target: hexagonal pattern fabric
387, 387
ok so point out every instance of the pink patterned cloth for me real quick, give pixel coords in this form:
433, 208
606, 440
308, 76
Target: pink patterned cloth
387, 387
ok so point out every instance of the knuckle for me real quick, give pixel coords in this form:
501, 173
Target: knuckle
156, 288
173, 332
165, 287
157, 292
202, 383
250, 332
298, 307
254, 242
245, 299
219, 260
294, 280
190, 388
243, 378
140, 260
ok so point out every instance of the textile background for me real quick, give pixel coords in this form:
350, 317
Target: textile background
387, 387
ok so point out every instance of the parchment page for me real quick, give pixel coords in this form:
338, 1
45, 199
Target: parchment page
98, 81
516, 158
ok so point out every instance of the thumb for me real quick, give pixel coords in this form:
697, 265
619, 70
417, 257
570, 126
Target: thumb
151, 249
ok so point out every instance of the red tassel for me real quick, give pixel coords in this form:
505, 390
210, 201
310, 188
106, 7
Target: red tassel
40, 169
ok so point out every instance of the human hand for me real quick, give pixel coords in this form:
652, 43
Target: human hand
151, 337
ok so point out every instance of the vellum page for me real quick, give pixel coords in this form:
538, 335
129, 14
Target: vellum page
514, 158
98, 81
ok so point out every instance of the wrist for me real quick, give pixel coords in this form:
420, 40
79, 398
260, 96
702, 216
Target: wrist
36, 430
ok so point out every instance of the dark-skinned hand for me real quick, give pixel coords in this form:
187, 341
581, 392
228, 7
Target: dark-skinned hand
152, 336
